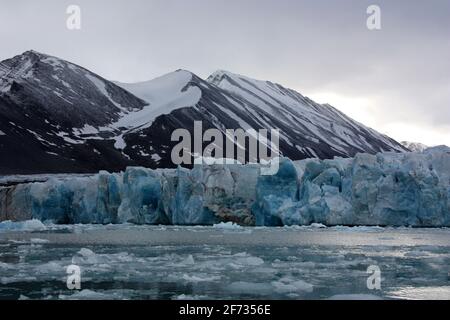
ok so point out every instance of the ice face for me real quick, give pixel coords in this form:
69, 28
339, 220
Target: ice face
272, 192
140, 191
394, 189
384, 189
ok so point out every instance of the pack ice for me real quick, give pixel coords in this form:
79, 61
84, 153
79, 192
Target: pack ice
387, 189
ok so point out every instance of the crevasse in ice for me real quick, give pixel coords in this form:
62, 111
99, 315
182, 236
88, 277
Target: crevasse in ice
394, 189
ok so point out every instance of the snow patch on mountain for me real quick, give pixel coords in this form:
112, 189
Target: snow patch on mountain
86, 130
119, 143
53, 61
101, 86
164, 95
67, 139
265, 94
414, 146
20, 69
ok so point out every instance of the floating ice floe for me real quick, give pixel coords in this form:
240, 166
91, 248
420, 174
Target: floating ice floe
227, 226
29, 225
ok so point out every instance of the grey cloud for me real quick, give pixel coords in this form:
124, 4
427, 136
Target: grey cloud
310, 46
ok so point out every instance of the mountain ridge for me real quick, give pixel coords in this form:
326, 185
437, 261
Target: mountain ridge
56, 116
414, 146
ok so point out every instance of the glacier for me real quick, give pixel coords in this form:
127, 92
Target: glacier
386, 189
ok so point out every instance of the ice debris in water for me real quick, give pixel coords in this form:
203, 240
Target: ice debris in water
29, 225
189, 260
387, 189
227, 225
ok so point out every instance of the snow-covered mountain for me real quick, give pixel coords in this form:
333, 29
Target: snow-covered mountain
414, 146
229, 101
56, 116
314, 129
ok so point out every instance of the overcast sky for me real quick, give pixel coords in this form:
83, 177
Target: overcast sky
396, 80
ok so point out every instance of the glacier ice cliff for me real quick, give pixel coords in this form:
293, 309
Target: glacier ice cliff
387, 189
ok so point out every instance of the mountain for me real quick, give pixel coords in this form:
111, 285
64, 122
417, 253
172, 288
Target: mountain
309, 129
414, 146
56, 116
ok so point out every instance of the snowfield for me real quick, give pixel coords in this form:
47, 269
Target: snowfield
164, 95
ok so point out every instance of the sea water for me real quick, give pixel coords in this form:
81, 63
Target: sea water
224, 262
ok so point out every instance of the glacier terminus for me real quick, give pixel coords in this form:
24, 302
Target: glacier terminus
386, 189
